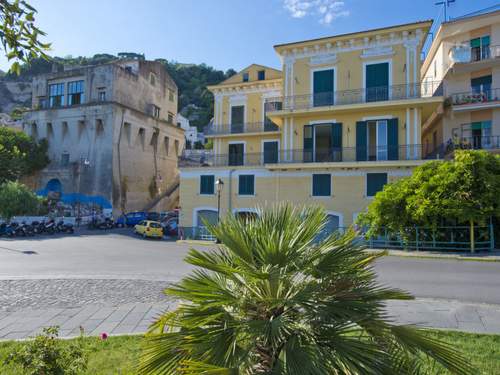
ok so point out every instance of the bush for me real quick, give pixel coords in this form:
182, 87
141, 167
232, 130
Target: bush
45, 355
17, 199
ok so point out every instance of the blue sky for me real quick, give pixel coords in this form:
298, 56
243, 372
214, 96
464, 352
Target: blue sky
222, 33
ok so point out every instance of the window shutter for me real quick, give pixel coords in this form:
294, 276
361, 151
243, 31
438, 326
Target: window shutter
322, 185
375, 182
308, 143
485, 40
361, 141
475, 42
337, 141
323, 87
246, 184
392, 139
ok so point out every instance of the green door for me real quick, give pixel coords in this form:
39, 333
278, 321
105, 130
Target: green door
361, 141
323, 88
377, 82
237, 118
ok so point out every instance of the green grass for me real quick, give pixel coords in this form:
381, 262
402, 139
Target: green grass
119, 355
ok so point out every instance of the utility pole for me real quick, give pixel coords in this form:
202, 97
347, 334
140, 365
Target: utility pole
445, 4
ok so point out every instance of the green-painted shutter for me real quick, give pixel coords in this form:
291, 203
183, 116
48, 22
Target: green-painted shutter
392, 139
377, 82
308, 143
361, 141
323, 87
271, 152
484, 80
485, 40
337, 141
375, 182
476, 125
246, 184
475, 42
207, 185
322, 185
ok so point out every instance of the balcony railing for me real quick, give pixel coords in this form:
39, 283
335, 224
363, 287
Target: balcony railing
474, 97
485, 142
466, 54
252, 127
330, 155
346, 97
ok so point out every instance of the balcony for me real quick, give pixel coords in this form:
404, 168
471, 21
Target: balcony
482, 97
488, 142
356, 96
252, 127
333, 155
466, 54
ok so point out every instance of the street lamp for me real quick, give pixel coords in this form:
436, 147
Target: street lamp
219, 184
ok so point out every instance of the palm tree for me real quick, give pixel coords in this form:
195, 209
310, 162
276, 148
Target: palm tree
273, 300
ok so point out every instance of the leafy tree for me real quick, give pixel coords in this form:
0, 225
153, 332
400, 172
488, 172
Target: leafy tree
462, 191
17, 199
272, 300
19, 35
20, 154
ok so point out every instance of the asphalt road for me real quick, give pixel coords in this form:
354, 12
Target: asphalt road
119, 255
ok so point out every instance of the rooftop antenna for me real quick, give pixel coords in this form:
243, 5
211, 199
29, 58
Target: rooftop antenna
445, 4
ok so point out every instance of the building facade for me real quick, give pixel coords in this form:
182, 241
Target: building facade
343, 118
113, 140
465, 56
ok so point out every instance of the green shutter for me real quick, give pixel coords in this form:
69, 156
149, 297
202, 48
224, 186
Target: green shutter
323, 87
484, 80
375, 182
377, 82
475, 42
476, 125
337, 141
361, 141
271, 152
207, 184
246, 184
485, 40
392, 139
308, 143
322, 185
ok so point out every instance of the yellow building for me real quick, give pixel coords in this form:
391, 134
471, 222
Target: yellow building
343, 118
465, 56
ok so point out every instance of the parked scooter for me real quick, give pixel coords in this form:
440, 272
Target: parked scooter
108, 223
7, 230
63, 227
50, 227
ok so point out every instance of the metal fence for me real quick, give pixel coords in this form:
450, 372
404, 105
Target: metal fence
446, 238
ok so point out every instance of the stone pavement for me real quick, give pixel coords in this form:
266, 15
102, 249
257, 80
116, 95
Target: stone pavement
134, 318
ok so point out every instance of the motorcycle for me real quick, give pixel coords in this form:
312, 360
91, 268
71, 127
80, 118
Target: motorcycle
107, 224
6, 230
50, 227
63, 227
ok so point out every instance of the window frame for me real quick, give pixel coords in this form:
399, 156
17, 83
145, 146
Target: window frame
59, 93
73, 86
261, 75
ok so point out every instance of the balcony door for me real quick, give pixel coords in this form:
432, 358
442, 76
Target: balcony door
377, 82
323, 87
481, 86
323, 142
478, 135
237, 118
377, 140
236, 153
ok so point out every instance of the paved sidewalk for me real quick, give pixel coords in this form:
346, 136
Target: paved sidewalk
134, 318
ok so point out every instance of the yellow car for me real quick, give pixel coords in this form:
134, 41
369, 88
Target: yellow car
148, 228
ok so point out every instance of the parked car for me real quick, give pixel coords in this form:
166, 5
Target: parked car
170, 226
130, 219
148, 228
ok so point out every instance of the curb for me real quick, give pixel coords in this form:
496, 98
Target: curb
423, 255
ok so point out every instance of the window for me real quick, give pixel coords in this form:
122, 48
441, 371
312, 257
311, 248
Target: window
176, 145
480, 48
101, 95
377, 82
156, 111
207, 184
245, 77
64, 159
321, 185
261, 75
75, 92
236, 153
170, 95
323, 85
482, 85
166, 142
374, 183
377, 140
42, 102
270, 151
152, 79
170, 118
246, 184
128, 69
237, 118
56, 95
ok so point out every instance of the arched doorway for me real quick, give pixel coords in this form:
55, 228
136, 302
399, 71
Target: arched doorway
54, 189
334, 223
202, 216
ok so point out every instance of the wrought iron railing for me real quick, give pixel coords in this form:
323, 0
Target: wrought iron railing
489, 142
476, 96
328, 155
251, 127
364, 95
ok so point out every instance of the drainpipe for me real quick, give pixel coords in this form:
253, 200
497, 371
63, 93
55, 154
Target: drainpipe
229, 190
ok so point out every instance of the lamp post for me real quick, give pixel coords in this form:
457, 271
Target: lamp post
219, 184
